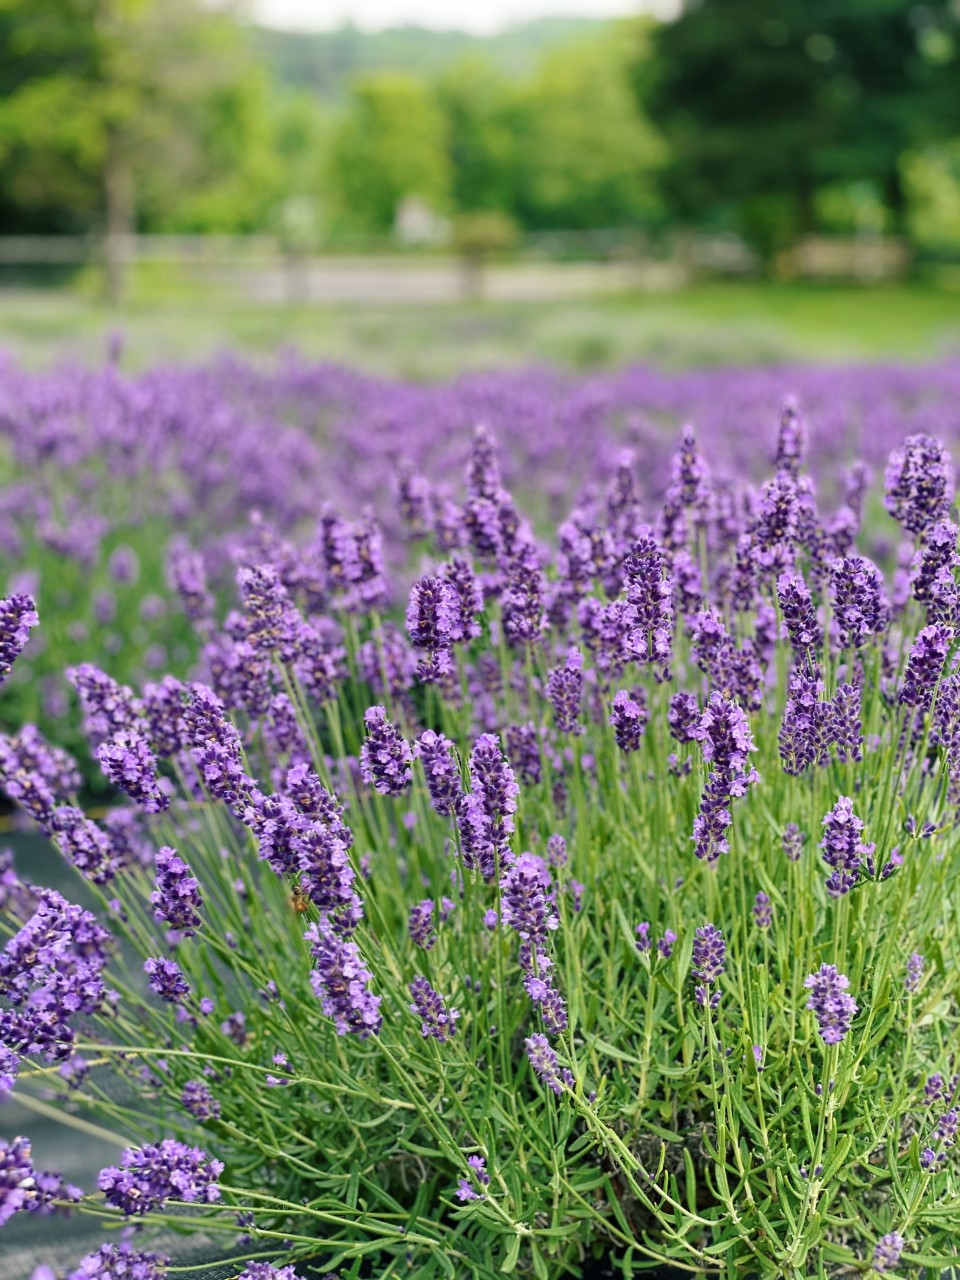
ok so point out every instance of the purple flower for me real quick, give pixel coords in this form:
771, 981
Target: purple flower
442, 770
919, 483
187, 577
485, 815
665, 944
420, 924
325, 872
198, 1099
629, 715
557, 851
83, 844
860, 609
340, 981
166, 978
459, 573
945, 1130
525, 907
709, 958
16, 1177
845, 725
543, 1059
435, 1019
842, 847
120, 1262
793, 841
798, 614
762, 911
724, 734
162, 708
18, 616
791, 438
911, 982
272, 621
108, 708
887, 1251
51, 970
433, 614
928, 655
726, 741
523, 750
9, 1066
176, 899
650, 593
267, 1271
130, 765
29, 774
152, 1174
385, 757
215, 747
808, 720
565, 690
833, 1008
235, 1027
683, 717
413, 493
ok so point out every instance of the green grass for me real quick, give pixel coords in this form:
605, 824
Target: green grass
705, 324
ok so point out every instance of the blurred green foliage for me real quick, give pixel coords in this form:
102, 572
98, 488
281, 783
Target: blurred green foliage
769, 121
763, 106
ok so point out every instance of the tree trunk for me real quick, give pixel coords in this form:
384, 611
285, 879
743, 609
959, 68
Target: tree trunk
118, 219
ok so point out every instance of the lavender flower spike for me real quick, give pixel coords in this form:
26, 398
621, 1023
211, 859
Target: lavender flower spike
565, 689
340, 981
168, 1170
925, 667
833, 1008
119, 1262
176, 899
919, 482
18, 616
543, 1059
437, 755
385, 757
887, 1251
709, 958
435, 1019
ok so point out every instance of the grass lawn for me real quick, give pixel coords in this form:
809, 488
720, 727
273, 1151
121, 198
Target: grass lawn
706, 324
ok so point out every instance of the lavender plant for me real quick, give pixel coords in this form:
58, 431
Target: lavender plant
611, 912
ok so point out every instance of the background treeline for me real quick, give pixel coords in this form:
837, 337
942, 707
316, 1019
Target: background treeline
770, 121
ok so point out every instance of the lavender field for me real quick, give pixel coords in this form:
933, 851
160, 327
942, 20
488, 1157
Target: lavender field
511, 819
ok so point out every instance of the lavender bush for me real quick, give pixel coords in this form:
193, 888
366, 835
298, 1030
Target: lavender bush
591, 896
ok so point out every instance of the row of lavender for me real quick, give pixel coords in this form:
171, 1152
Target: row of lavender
99, 469
603, 900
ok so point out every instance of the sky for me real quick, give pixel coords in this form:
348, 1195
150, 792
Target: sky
479, 16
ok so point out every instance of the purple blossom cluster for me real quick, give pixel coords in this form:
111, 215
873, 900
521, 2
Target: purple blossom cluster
385, 758
150, 1175
670, 600
833, 1008
18, 616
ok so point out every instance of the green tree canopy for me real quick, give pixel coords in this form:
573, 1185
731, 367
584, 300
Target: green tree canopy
760, 104
586, 155
390, 143
117, 110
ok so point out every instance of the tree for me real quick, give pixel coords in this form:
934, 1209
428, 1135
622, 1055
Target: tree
761, 104
477, 101
101, 100
390, 143
586, 156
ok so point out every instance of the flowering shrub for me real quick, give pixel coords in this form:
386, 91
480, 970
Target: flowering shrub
606, 909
